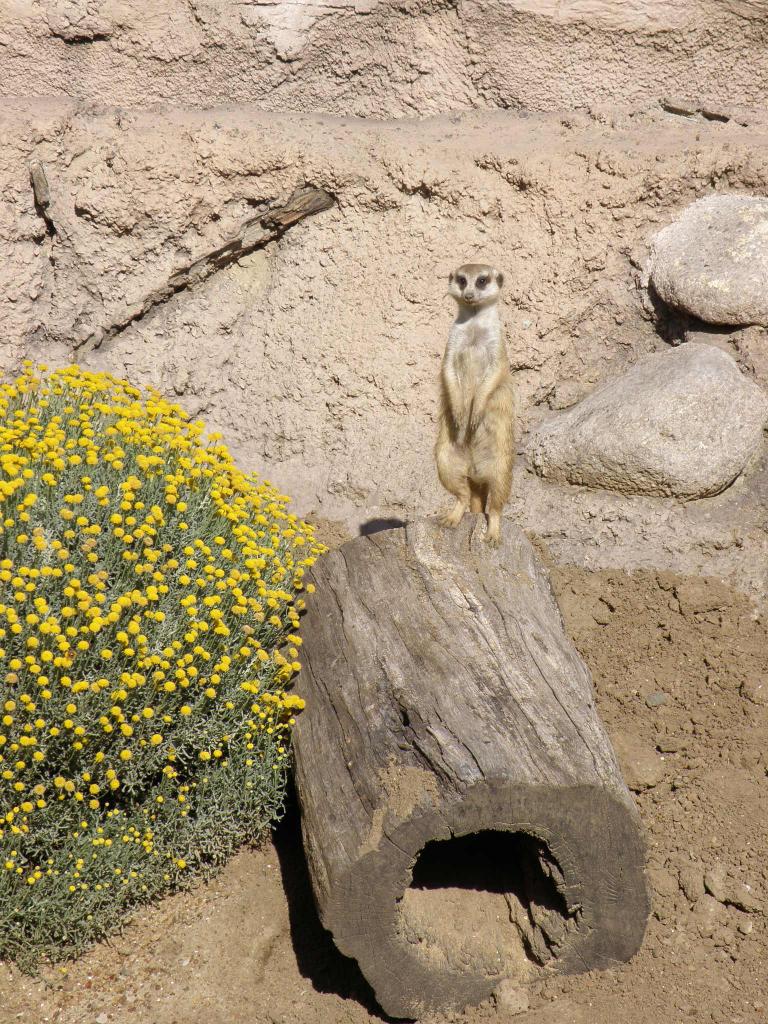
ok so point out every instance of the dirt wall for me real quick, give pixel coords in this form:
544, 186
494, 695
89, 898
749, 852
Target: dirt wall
379, 58
318, 355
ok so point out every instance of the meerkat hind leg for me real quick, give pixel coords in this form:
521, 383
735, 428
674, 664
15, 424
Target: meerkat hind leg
451, 517
493, 533
452, 469
496, 502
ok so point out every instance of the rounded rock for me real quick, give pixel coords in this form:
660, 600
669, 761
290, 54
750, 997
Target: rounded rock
683, 423
712, 262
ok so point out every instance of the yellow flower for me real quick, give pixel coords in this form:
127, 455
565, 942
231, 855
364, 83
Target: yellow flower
294, 702
188, 566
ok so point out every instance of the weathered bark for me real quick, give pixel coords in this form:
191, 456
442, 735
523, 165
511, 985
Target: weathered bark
445, 700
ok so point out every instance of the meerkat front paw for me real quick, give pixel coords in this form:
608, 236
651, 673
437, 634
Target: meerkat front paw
451, 517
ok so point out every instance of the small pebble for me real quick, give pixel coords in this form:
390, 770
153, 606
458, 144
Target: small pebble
657, 699
692, 882
715, 882
743, 897
509, 998
708, 913
641, 766
662, 881
755, 690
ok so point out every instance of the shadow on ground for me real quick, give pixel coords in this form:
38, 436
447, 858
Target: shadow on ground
318, 959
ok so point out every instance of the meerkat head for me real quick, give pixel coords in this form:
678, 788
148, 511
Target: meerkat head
475, 284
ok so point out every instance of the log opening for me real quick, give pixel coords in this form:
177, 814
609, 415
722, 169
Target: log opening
490, 902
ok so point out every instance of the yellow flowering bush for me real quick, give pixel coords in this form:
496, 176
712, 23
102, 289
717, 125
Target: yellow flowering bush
149, 606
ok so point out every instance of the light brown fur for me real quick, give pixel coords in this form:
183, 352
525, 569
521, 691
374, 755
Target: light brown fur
475, 446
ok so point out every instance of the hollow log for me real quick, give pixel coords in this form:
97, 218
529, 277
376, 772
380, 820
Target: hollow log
464, 817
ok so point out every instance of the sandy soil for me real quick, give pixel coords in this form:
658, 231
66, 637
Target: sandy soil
680, 667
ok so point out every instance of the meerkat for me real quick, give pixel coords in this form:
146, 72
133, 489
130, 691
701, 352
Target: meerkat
476, 445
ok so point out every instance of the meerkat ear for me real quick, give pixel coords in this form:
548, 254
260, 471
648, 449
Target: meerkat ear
450, 278
499, 278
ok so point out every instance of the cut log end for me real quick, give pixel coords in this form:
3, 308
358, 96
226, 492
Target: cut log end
507, 881
463, 814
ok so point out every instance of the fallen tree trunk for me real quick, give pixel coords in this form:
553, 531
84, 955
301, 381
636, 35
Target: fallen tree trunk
464, 817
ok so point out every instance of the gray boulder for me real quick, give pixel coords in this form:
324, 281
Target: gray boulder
681, 423
713, 261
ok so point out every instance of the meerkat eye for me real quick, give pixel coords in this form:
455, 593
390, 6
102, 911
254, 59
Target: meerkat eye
461, 281
482, 282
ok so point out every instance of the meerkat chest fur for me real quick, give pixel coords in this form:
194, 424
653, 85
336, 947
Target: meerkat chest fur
474, 347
